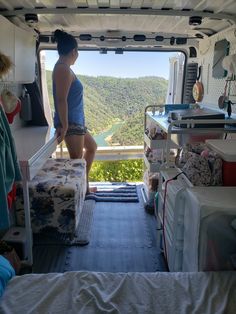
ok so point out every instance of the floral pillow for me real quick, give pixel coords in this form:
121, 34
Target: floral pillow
197, 170
202, 166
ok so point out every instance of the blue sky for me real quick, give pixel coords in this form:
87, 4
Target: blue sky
129, 64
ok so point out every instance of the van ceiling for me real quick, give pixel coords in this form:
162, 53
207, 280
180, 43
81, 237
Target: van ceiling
114, 23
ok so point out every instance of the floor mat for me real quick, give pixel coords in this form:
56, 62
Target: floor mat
123, 239
119, 226
113, 192
82, 234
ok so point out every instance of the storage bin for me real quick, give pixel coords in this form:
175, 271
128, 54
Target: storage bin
229, 171
209, 242
226, 149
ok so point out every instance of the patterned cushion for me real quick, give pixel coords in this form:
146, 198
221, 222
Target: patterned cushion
57, 194
197, 170
201, 169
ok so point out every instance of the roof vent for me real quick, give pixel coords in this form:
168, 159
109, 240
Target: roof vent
195, 20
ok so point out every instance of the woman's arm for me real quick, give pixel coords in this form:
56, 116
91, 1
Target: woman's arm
63, 79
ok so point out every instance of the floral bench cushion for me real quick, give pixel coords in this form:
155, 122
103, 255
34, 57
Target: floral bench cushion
57, 194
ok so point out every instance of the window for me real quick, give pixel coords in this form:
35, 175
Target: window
118, 87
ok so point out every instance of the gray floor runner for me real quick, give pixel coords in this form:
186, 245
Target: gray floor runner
120, 226
82, 234
114, 260
123, 239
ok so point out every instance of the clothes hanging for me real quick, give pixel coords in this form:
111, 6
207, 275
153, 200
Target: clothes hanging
11, 196
9, 168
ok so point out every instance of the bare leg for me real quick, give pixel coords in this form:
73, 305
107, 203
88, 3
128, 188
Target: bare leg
89, 153
75, 145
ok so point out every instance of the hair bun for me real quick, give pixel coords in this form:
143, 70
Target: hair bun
65, 42
58, 34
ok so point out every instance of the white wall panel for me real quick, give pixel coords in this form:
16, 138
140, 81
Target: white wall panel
213, 87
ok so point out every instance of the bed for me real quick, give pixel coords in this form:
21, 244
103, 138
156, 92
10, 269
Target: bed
94, 292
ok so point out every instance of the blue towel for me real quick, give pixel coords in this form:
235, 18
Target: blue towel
6, 273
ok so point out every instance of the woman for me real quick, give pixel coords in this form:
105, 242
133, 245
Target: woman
69, 119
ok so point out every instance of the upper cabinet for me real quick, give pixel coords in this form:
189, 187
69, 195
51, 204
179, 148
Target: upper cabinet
19, 45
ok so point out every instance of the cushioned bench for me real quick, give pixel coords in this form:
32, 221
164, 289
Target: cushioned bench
57, 194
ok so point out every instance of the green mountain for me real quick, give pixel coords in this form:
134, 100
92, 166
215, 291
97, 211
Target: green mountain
109, 100
131, 132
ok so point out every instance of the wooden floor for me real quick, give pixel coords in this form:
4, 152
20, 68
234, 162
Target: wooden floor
123, 239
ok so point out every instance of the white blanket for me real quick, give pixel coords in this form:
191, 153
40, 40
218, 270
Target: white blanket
90, 292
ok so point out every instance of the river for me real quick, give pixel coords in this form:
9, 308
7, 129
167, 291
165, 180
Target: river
100, 138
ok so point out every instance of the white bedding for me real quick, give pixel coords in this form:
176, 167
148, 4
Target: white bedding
90, 292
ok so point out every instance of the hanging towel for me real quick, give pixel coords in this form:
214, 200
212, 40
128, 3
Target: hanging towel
6, 273
9, 168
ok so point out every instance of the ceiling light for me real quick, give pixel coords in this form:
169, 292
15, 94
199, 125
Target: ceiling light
85, 37
31, 18
139, 37
159, 38
195, 20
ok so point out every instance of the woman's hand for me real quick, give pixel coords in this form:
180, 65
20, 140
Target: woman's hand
61, 133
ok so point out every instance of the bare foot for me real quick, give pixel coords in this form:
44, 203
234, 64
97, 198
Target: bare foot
91, 190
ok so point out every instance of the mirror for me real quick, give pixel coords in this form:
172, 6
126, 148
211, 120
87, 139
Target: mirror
220, 51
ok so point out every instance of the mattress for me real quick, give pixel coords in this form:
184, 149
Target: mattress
90, 292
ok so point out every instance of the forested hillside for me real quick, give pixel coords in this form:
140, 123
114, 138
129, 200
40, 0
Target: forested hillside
109, 100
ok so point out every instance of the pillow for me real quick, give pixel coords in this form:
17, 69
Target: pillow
6, 273
188, 151
215, 164
197, 170
202, 166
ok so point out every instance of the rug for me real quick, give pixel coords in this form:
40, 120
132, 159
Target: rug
115, 192
81, 236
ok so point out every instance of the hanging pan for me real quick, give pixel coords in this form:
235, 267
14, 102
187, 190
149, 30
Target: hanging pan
198, 89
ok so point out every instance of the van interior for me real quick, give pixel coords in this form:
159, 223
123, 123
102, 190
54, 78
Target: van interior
159, 233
